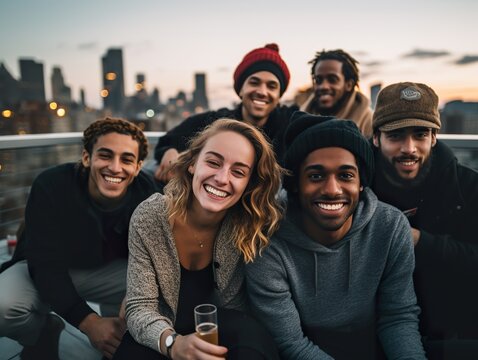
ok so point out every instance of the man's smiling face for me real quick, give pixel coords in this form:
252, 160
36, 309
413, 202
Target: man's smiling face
328, 189
260, 95
405, 151
113, 165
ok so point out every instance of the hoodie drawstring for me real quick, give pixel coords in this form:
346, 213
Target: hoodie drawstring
316, 272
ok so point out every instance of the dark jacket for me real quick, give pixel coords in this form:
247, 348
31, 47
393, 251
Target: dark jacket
446, 274
178, 137
63, 230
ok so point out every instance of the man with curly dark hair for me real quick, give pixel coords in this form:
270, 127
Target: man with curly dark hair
74, 247
335, 90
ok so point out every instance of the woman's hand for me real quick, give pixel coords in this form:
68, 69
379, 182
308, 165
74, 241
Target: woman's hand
192, 347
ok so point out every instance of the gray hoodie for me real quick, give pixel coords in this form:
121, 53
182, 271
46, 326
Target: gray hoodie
342, 297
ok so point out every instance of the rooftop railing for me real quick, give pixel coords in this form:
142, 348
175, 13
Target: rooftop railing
23, 157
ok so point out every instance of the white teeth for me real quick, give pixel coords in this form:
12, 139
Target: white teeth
330, 206
259, 102
215, 191
408, 163
113, 179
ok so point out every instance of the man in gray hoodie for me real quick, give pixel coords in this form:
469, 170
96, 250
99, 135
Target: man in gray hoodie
336, 281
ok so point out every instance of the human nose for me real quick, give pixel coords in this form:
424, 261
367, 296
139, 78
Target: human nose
322, 84
115, 165
261, 89
332, 186
408, 145
222, 176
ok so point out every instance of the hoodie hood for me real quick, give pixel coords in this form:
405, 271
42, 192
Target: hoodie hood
291, 232
291, 228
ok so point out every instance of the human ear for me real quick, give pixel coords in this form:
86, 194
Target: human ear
85, 158
376, 140
349, 85
139, 165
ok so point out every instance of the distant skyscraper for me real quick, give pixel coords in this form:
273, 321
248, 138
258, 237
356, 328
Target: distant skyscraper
374, 90
140, 80
82, 97
60, 92
33, 82
200, 101
459, 117
113, 80
140, 87
155, 100
9, 88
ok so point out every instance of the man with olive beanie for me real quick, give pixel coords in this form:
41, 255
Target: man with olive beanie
260, 79
421, 176
336, 281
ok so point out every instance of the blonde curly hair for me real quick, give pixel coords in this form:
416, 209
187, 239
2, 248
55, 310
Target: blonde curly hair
258, 213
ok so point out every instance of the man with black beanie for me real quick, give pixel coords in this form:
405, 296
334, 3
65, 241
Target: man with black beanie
421, 176
336, 281
260, 80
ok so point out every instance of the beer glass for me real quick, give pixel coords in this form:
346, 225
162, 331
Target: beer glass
205, 319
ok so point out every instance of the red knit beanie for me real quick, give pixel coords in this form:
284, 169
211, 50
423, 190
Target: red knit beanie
262, 59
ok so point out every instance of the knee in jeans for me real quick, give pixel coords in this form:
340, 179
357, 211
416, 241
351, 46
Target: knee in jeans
12, 311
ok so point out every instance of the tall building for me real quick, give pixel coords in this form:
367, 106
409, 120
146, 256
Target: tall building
82, 97
140, 87
113, 80
155, 99
33, 82
459, 117
200, 101
60, 92
374, 90
9, 88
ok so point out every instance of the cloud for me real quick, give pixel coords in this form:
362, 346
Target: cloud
368, 74
223, 69
372, 63
426, 54
88, 46
467, 59
359, 53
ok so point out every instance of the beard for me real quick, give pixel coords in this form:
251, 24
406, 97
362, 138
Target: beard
334, 109
392, 175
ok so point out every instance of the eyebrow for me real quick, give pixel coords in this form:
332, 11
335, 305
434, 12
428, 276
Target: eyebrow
322, 168
267, 81
109, 151
222, 158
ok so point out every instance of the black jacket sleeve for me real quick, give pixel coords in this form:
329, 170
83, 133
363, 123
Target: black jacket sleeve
178, 137
456, 246
47, 256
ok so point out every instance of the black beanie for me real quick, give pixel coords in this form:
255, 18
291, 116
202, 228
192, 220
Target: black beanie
307, 133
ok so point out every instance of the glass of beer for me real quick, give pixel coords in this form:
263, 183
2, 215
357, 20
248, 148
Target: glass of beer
205, 319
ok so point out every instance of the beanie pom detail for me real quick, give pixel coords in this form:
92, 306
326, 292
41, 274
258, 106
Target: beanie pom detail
272, 46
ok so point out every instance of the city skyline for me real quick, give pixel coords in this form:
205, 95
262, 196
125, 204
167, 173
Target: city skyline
418, 41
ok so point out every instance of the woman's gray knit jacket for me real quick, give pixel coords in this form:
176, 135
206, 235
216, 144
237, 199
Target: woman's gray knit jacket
154, 278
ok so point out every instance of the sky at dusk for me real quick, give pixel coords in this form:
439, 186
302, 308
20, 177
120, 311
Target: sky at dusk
434, 42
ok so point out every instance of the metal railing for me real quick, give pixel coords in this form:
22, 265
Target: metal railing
23, 157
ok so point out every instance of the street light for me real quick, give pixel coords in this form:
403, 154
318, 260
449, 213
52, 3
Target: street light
7, 113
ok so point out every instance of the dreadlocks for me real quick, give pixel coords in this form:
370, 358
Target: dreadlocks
349, 64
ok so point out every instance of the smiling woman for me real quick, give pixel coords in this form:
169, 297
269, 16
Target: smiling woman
188, 247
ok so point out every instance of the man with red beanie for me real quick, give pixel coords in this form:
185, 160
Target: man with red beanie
260, 79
